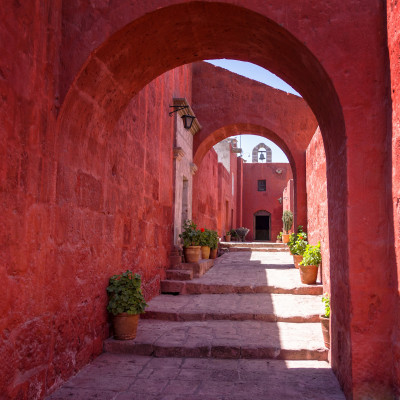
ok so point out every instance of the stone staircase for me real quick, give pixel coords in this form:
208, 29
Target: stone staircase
248, 306
248, 334
254, 246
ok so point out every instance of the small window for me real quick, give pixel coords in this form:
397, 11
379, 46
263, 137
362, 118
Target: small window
262, 185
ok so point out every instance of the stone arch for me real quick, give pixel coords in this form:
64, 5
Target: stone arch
133, 56
254, 153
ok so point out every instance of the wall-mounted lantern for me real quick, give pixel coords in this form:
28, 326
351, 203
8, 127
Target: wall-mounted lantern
187, 118
280, 200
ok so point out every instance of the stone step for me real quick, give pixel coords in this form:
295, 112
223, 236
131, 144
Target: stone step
245, 248
174, 260
225, 339
179, 274
266, 245
196, 287
237, 307
199, 268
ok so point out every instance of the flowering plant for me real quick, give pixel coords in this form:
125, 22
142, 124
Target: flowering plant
190, 234
205, 237
298, 242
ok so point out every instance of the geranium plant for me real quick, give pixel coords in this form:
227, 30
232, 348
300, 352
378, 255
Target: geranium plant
190, 235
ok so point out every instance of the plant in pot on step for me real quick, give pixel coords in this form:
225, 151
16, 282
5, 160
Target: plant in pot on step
324, 318
279, 237
297, 245
191, 241
309, 265
214, 244
287, 219
205, 243
126, 303
234, 235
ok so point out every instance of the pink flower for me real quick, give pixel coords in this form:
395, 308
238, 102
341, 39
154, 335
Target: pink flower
202, 229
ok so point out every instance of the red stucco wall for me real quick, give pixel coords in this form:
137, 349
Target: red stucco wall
44, 45
205, 210
317, 206
75, 210
393, 12
254, 201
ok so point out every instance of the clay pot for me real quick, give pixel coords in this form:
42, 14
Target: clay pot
285, 238
228, 238
213, 253
308, 274
205, 252
125, 326
192, 254
325, 331
296, 260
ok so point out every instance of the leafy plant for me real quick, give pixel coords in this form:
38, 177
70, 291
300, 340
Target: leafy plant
205, 237
232, 232
125, 294
214, 240
312, 255
327, 305
298, 242
190, 234
292, 241
279, 236
287, 219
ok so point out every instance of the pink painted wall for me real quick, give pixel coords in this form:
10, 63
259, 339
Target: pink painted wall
317, 206
253, 200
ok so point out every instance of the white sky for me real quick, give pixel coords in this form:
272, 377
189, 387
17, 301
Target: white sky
252, 71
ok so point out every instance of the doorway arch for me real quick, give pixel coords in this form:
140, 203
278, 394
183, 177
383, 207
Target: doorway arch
262, 225
108, 80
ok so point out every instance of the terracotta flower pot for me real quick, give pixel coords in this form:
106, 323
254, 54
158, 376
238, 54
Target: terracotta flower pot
325, 331
296, 260
228, 238
205, 252
285, 238
192, 254
125, 326
308, 274
213, 253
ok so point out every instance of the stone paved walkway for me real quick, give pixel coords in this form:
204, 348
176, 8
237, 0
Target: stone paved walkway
235, 343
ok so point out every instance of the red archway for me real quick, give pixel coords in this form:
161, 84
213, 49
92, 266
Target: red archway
135, 55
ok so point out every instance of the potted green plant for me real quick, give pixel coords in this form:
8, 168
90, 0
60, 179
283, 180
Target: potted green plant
228, 236
297, 245
205, 243
234, 235
309, 265
287, 219
214, 244
279, 237
191, 241
126, 303
291, 242
324, 318
298, 248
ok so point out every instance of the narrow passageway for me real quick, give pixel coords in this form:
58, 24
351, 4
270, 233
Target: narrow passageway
249, 329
